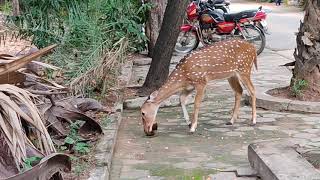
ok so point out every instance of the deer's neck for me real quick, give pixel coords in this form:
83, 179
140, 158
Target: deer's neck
167, 90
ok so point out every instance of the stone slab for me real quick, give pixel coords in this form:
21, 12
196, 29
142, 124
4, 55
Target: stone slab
126, 73
279, 161
224, 176
246, 171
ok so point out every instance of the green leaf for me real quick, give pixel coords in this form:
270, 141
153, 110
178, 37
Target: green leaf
63, 148
29, 161
69, 140
82, 147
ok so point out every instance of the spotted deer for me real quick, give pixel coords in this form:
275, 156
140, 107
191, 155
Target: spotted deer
230, 59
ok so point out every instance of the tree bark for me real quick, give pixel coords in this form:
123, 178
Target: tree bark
16, 7
164, 46
154, 22
307, 53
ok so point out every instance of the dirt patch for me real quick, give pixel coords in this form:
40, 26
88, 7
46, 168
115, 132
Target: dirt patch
286, 93
313, 157
9, 42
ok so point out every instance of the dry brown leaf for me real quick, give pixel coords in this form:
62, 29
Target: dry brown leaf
10, 123
67, 111
54, 85
47, 167
55, 123
86, 104
19, 63
12, 78
7, 162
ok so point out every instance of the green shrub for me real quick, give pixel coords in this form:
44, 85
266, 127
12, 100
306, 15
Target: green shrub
84, 29
6, 7
298, 87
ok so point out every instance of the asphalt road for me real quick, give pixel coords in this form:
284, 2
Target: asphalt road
283, 22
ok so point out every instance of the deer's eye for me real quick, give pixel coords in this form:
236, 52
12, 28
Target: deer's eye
143, 114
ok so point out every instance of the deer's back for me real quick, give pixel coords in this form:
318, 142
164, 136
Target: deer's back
217, 61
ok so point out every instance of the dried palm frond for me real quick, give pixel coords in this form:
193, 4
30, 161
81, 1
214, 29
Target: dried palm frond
6, 58
12, 99
102, 70
19, 63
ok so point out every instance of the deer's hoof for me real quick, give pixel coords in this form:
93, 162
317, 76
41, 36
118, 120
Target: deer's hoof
229, 123
189, 125
253, 124
192, 130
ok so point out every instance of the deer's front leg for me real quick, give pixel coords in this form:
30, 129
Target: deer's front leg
183, 99
200, 92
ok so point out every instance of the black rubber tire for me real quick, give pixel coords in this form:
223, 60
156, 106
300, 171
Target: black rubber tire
261, 35
258, 25
195, 46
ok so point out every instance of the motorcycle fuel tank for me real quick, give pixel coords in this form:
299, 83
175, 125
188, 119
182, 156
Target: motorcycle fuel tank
207, 19
192, 11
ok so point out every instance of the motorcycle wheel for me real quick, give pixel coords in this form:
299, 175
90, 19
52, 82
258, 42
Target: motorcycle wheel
253, 35
186, 42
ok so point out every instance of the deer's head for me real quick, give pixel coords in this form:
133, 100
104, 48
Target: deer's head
149, 111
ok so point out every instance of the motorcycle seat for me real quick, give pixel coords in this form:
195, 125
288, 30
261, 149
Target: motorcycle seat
218, 1
232, 17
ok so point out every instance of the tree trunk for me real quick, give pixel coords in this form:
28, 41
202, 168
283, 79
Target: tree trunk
154, 22
16, 7
164, 46
307, 53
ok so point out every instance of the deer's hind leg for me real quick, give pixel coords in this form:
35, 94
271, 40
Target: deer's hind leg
183, 99
236, 87
246, 80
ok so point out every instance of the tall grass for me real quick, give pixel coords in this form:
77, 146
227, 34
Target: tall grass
6, 7
85, 29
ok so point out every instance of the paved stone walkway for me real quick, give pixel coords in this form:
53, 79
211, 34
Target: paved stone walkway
174, 154
215, 147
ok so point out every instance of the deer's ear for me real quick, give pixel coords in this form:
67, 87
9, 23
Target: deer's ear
152, 96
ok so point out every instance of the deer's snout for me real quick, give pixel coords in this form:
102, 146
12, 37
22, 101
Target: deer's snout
150, 131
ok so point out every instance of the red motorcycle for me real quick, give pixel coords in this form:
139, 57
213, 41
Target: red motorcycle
214, 25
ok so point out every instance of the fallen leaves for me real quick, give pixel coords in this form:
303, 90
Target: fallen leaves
37, 114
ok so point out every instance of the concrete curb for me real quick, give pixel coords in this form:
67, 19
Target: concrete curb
146, 61
269, 102
104, 150
279, 161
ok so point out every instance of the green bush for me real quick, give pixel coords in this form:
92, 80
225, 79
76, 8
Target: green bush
84, 29
6, 7
298, 87
71, 22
